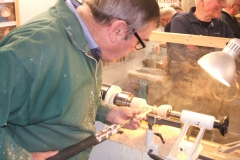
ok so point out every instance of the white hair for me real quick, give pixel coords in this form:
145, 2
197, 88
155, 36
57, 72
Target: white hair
167, 12
136, 13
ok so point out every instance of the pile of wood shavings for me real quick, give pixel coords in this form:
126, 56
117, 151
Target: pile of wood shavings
137, 138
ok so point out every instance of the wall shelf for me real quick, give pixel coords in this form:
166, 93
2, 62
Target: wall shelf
7, 1
9, 17
5, 24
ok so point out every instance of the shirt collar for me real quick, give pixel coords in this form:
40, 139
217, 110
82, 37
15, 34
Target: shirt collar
95, 50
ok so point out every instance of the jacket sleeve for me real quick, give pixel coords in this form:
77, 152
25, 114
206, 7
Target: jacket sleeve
12, 97
102, 111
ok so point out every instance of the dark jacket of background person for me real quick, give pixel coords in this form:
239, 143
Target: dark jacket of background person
233, 23
167, 28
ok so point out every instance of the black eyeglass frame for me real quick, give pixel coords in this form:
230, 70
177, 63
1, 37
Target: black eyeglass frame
139, 41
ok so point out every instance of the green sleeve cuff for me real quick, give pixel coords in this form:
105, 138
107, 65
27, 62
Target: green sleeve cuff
103, 110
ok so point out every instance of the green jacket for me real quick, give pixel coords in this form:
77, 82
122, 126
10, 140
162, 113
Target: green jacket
49, 86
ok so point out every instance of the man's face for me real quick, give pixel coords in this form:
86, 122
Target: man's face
213, 8
124, 46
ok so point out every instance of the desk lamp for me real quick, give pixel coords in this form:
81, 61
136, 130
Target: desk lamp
221, 64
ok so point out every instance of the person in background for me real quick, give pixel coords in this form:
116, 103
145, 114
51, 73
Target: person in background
191, 85
228, 14
204, 19
166, 14
51, 74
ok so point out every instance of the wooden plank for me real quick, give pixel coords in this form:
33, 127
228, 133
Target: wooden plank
189, 39
186, 5
17, 12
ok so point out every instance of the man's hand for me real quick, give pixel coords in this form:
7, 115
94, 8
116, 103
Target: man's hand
120, 115
43, 155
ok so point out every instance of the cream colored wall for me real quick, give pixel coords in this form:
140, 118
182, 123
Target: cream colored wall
30, 8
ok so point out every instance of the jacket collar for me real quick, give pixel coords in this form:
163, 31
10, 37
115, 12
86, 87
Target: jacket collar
71, 25
75, 30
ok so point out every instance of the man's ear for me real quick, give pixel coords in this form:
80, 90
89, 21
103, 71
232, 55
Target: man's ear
164, 18
117, 30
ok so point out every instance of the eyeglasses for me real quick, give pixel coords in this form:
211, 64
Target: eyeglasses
140, 44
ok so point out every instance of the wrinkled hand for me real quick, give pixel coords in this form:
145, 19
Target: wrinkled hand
120, 115
43, 155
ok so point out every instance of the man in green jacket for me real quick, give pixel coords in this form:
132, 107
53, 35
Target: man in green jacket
51, 74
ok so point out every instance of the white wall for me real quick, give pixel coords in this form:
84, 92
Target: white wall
31, 8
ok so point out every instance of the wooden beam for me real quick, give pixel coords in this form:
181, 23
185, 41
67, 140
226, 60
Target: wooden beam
207, 41
16, 5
